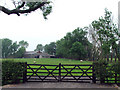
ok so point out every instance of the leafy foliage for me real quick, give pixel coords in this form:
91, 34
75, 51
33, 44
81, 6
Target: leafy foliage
77, 51
46, 9
12, 71
39, 47
50, 48
102, 70
74, 45
26, 7
23, 44
6, 47
105, 35
20, 52
116, 67
11, 49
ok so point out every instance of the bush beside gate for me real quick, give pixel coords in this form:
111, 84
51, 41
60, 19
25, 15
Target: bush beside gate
12, 72
107, 72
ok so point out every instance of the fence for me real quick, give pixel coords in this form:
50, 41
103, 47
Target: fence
112, 58
109, 58
114, 79
65, 73
60, 73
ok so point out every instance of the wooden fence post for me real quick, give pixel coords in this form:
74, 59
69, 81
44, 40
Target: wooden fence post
25, 73
93, 75
59, 72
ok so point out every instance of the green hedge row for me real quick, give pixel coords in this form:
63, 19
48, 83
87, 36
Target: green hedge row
107, 72
12, 72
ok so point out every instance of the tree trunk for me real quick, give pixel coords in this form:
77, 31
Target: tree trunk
117, 54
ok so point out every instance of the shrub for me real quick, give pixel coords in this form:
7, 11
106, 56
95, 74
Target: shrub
12, 72
102, 70
116, 69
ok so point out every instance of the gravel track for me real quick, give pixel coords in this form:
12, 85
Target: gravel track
57, 85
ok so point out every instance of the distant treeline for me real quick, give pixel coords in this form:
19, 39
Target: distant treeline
12, 49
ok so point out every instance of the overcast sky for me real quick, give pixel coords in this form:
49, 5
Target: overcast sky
66, 16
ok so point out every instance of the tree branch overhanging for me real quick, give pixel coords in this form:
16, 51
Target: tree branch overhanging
18, 11
20, 6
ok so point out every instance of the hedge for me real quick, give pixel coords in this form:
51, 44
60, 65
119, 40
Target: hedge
12, 72
107, 72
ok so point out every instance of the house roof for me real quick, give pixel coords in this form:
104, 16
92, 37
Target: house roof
45, 54
36, 52
30, 52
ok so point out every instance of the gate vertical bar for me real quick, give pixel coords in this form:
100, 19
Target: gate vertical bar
25, 73
93, 74
115, 78
59, 72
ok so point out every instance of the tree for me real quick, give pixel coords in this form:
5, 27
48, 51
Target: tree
39, 47
61, 49
50, 48
20, 52
6, 47
67, 46
14, 48
25, 7
106, 35
23, 44
78, 51
0, 48
11, 49
21, 49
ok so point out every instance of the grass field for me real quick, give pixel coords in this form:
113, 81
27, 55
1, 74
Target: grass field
51, 61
